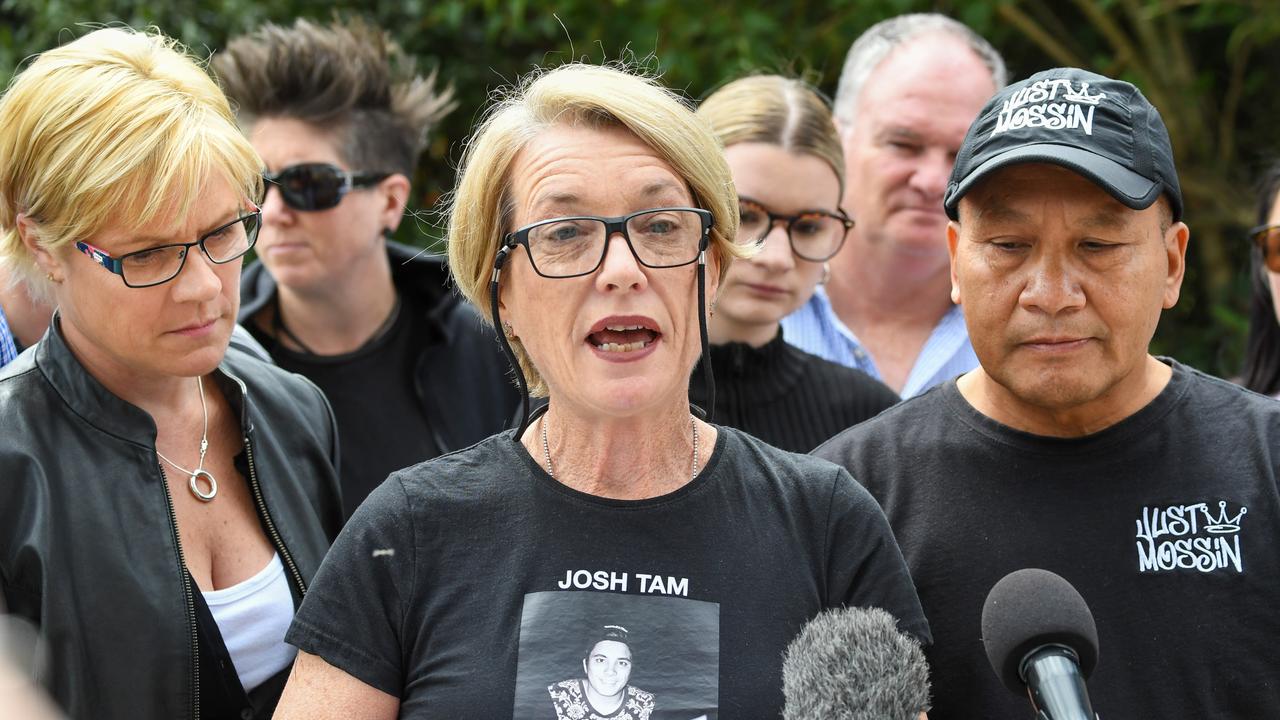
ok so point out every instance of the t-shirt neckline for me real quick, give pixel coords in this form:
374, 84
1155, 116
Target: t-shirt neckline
396, 325
1120, 432
538, 475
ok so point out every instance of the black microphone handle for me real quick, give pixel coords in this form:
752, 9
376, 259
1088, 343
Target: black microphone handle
1056, 685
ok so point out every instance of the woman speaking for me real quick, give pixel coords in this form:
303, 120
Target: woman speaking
163, 503
593, 215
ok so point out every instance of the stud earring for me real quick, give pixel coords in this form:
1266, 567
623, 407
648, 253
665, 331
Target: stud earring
507, 330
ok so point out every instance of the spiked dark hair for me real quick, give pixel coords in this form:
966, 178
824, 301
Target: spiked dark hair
349, 78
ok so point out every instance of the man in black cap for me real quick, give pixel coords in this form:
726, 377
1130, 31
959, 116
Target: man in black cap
1148, 485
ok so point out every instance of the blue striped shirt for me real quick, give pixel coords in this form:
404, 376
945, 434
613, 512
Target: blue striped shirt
947, 353
7, 350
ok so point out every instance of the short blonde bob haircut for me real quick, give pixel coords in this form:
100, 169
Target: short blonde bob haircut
776, 110
482, 209
119, 127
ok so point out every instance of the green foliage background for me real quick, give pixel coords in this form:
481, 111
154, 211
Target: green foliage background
1206, 65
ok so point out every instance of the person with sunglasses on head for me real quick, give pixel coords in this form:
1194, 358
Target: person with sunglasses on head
783, 150
1261, 371
340, 117
593, 218
164, 501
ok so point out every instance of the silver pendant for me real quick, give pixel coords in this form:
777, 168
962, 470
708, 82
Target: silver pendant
195, 485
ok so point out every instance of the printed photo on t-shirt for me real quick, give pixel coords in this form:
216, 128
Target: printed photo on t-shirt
604, 655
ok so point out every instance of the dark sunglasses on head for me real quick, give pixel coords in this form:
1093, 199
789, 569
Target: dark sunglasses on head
1267, 238
318, 186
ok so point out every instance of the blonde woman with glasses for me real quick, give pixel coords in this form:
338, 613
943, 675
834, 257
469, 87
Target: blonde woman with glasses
788, 169
593, 217
163, 502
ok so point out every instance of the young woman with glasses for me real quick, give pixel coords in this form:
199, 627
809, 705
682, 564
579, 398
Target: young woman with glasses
340, 118
787, 166
594, 214
163, 502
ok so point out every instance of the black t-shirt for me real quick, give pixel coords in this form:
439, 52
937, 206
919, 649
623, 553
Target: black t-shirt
470, 584
1167, 523
785, 396
381, 425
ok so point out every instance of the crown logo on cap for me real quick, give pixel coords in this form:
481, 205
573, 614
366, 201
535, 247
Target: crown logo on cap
1082, 95
1222, 524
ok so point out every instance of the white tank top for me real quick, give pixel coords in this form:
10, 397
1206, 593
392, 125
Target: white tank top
253, 616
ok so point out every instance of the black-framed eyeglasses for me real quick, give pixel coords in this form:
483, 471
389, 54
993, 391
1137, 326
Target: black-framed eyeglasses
1267, 239
158, 265
318, 186
573, 246
815, 235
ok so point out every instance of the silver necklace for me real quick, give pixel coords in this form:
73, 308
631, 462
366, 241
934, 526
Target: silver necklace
546, 447
199, 472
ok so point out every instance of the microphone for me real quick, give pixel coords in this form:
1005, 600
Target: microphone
854, 664
1041, 640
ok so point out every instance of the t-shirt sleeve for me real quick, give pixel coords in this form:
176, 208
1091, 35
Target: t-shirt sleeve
865, 566
353, 615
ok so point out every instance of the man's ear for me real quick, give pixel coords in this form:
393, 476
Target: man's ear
1175, 248
953, 241
29, 234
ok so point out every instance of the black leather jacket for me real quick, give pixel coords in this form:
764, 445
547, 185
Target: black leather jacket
89, 548
462, 379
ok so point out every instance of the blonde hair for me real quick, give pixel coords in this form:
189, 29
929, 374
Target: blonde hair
778, 111
481, 209
116, 124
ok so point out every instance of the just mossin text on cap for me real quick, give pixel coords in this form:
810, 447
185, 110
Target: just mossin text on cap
1101, 128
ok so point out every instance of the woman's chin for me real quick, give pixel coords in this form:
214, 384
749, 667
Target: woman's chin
620, 397
300, 274
198, 362
754, 310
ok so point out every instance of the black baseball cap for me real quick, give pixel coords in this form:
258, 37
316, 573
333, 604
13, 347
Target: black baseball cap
1101, 128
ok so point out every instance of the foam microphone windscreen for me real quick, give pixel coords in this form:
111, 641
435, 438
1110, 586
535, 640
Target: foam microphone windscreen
854, 664
1030, 608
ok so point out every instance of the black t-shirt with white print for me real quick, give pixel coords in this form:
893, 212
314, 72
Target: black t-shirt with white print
1168, 523
470, 584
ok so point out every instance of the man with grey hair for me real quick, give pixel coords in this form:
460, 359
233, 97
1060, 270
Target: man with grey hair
910, 87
